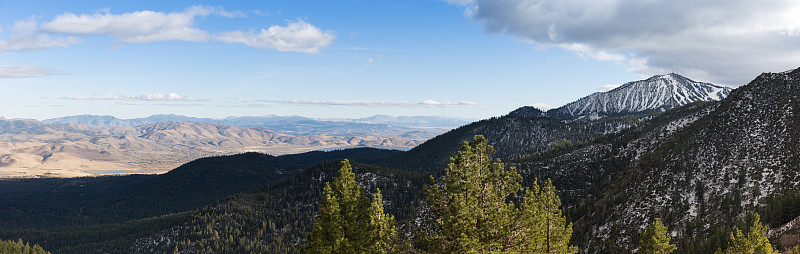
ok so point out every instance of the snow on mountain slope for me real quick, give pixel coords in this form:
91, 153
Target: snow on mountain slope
716, 169
657, 93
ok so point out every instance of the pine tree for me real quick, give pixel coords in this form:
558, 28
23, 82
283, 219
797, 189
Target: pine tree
383, 228
547, 229
348, 222
655, 239
471, 210
755, 242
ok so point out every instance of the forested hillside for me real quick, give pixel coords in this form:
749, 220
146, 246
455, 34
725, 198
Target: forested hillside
525, 131
277, 217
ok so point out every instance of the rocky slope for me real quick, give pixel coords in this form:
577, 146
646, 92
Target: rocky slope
722, 166
702, 168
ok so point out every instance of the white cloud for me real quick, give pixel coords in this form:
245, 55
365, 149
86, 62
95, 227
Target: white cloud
144, 97
542, 106
151, 26
25, 37
297, 36
134, 27
259, 12
229, 14
400, 104
606, 88
23, 71
163, 97
724, 41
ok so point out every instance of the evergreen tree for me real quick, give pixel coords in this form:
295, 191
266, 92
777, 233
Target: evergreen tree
383, 226
655, 239
348, 222
20, 247
755, 242
471, 210
547, 230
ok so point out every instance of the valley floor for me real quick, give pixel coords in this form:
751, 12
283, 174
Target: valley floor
28, 160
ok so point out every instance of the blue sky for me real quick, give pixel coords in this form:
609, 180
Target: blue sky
326, 59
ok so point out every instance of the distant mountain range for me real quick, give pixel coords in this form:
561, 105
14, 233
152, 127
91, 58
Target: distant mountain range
33, 148
379, 125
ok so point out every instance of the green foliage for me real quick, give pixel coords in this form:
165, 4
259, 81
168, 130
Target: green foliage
472, 211
780, 208
655, 239
755, 242
19, 247
384, 229
348, 222
543, 224
342, 222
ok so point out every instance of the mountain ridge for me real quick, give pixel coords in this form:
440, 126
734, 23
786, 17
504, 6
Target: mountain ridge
701, 173
411, 127
657, 93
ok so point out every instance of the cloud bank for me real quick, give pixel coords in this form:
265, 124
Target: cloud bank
144, 97
373, 104
151, 26
723, 41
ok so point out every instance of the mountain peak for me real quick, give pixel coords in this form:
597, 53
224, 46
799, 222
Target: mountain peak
657, 93
526, 111
673, 79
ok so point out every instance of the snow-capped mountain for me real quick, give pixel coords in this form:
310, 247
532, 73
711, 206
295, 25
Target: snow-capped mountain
657, 93
701, 167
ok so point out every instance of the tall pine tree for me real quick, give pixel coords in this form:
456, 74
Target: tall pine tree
349, 223
471, 210
546, 228
655, 239
383, 229
755, 242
